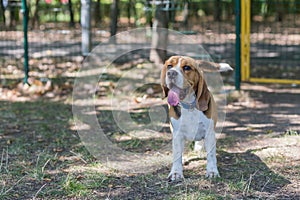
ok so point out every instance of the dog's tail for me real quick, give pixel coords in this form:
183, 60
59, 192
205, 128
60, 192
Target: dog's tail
214, 67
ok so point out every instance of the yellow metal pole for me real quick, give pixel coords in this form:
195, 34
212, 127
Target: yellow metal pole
243, 77
245, 39
274, 80
248, 25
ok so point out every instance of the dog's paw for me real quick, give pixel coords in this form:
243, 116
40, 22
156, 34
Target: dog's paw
212, 173
175, 176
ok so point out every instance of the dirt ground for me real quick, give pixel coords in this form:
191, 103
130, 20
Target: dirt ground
42, 156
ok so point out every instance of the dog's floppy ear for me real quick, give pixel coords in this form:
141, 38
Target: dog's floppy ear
164, 87
202, 93
213, 67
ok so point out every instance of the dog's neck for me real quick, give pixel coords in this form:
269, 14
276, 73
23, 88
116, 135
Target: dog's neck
189, 102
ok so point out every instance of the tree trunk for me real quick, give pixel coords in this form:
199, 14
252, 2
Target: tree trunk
159, 44
218, 10
3, 12
134, 12
12, 17
85, 20
35, 18
113, 19
97, 15
185, 14
148, 13
70, 7
128, 11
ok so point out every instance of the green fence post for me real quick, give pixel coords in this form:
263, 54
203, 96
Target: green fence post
238, 44
25, 28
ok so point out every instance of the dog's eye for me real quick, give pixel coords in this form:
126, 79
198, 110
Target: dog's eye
186, 68
169, 67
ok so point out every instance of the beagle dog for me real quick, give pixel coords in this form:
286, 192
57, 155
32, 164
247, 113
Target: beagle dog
192, 109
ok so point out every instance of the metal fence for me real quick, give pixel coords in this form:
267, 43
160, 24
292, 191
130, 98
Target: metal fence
53, 39
275, 40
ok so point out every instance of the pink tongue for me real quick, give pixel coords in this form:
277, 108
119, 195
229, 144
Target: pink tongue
173, 98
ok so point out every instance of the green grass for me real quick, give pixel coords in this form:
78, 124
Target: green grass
73, 187
41, 156
241, 186
45, 159
291, 132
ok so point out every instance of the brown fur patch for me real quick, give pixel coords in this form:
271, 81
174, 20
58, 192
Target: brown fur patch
174, 111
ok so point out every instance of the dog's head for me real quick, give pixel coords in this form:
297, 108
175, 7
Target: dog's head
182, 76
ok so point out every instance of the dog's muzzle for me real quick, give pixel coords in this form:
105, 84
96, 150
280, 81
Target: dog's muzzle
172, 74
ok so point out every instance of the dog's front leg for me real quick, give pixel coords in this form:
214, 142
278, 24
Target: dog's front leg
178, 146
210, 147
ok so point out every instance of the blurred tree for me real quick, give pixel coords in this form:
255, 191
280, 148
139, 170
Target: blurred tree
129, 5
185, 14
97, 13
70, 8
159, 44
12, 11
85, 19
218, 10
148, 13
35, 18
2, 11
114, 19
131, 8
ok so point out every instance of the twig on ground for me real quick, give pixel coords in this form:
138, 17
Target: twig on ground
34, 197
2, 159
247, 187
263, 187
8, 190
79, 156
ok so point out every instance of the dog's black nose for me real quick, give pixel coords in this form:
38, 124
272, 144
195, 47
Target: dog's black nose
172, 74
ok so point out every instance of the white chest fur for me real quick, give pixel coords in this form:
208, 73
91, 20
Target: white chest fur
193, 125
